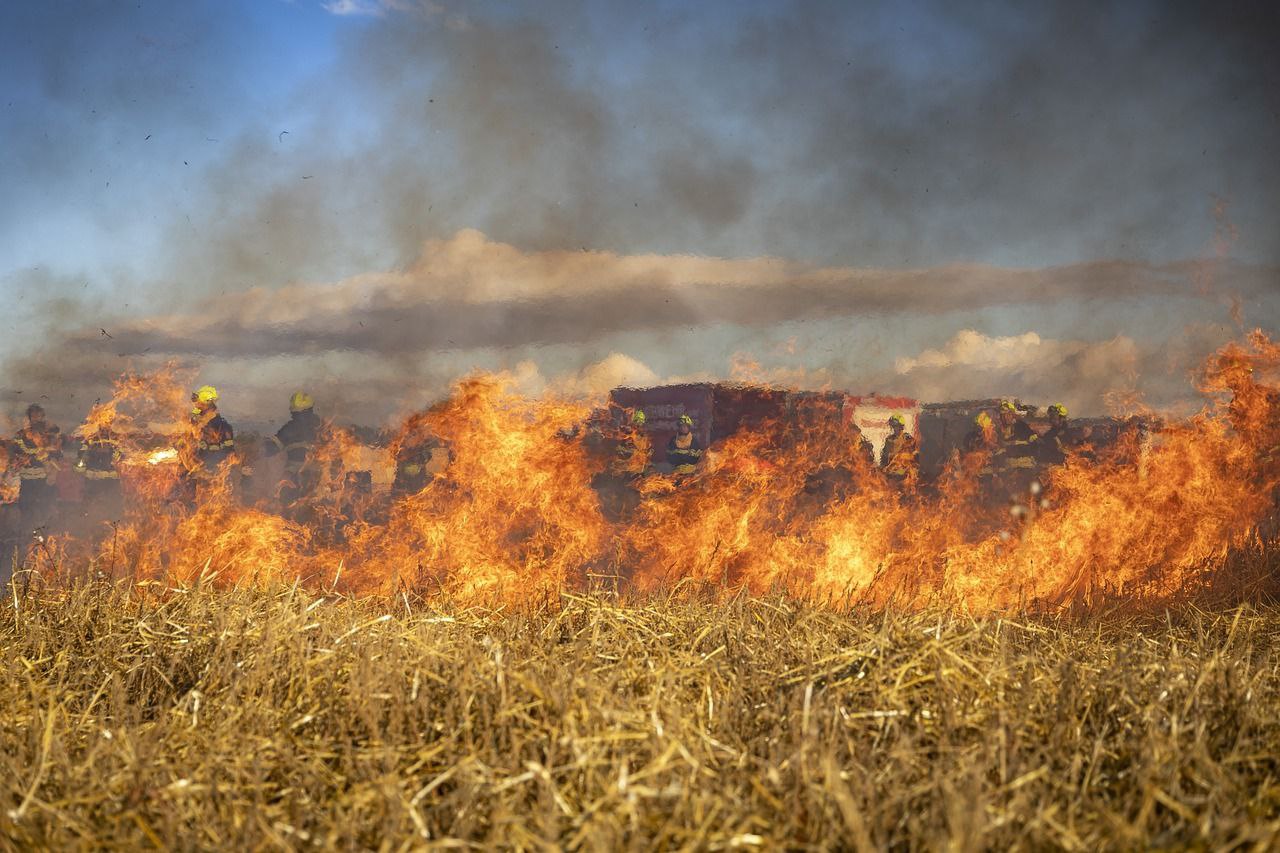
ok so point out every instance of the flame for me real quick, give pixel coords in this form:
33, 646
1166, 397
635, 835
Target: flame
160, 457
792, 505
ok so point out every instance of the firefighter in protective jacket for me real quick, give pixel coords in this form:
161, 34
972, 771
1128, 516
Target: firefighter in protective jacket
38, 448
1015, 460
630, 447
297, 440
413, 464
684, 451
215, 440
900, 455
1052, 446
98, 461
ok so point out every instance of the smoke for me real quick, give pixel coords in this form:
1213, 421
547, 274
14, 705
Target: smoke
1088, 376
380, 342
1081, 374
511, 182
470, 292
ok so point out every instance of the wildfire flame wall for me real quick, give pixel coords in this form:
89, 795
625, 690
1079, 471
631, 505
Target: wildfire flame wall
513, 509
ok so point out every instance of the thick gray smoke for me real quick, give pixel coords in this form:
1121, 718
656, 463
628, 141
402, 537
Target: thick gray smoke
596, 147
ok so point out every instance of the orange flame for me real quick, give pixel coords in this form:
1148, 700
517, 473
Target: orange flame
791, 505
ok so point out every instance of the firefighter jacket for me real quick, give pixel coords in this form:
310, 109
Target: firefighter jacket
215, 440
99, 456
977, 441
412, 472
1017, 446
684, 451
899, 455
39, 450
298, 438
1051, 448
630, 451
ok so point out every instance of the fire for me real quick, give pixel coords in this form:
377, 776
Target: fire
160, 457
507, 505
515, 517
9, 482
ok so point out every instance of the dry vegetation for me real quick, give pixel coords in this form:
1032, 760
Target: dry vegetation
222, 719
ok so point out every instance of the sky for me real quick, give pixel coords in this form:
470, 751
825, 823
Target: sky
372, 198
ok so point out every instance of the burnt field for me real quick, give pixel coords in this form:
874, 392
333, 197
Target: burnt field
196, 717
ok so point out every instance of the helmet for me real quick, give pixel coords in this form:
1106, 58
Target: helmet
207, 394
686, 420
1008, 406
982, 421
637, 418
897, 420
1058, 409
300, 401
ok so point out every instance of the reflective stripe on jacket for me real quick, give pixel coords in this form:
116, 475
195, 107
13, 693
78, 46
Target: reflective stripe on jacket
684, 450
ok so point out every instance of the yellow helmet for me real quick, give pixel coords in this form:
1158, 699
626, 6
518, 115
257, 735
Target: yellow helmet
685, 419
1058, 409
1008, 406
300, 401
982, 421
638, 418
207, 394
898, 420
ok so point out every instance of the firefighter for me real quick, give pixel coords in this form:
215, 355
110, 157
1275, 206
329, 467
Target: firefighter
1015, 461
98, 461
215, 440
297, 440
1051, 448
624, 447
1015, 441
630, 458
900, 455
684, 451
39, 458
982, 436
979, 448
413, 461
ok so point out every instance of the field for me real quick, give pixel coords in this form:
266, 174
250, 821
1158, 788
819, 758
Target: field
239, 719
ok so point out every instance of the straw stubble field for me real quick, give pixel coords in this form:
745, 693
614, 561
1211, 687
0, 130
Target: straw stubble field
218, 719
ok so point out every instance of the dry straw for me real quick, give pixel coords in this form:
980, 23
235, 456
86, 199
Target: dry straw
237, 719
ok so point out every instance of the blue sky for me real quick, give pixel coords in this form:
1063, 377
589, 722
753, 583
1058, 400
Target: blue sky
161, 155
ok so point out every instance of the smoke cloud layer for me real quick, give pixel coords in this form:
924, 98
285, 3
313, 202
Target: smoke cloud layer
453, 186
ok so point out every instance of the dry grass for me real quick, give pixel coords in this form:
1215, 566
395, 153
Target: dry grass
236, 720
